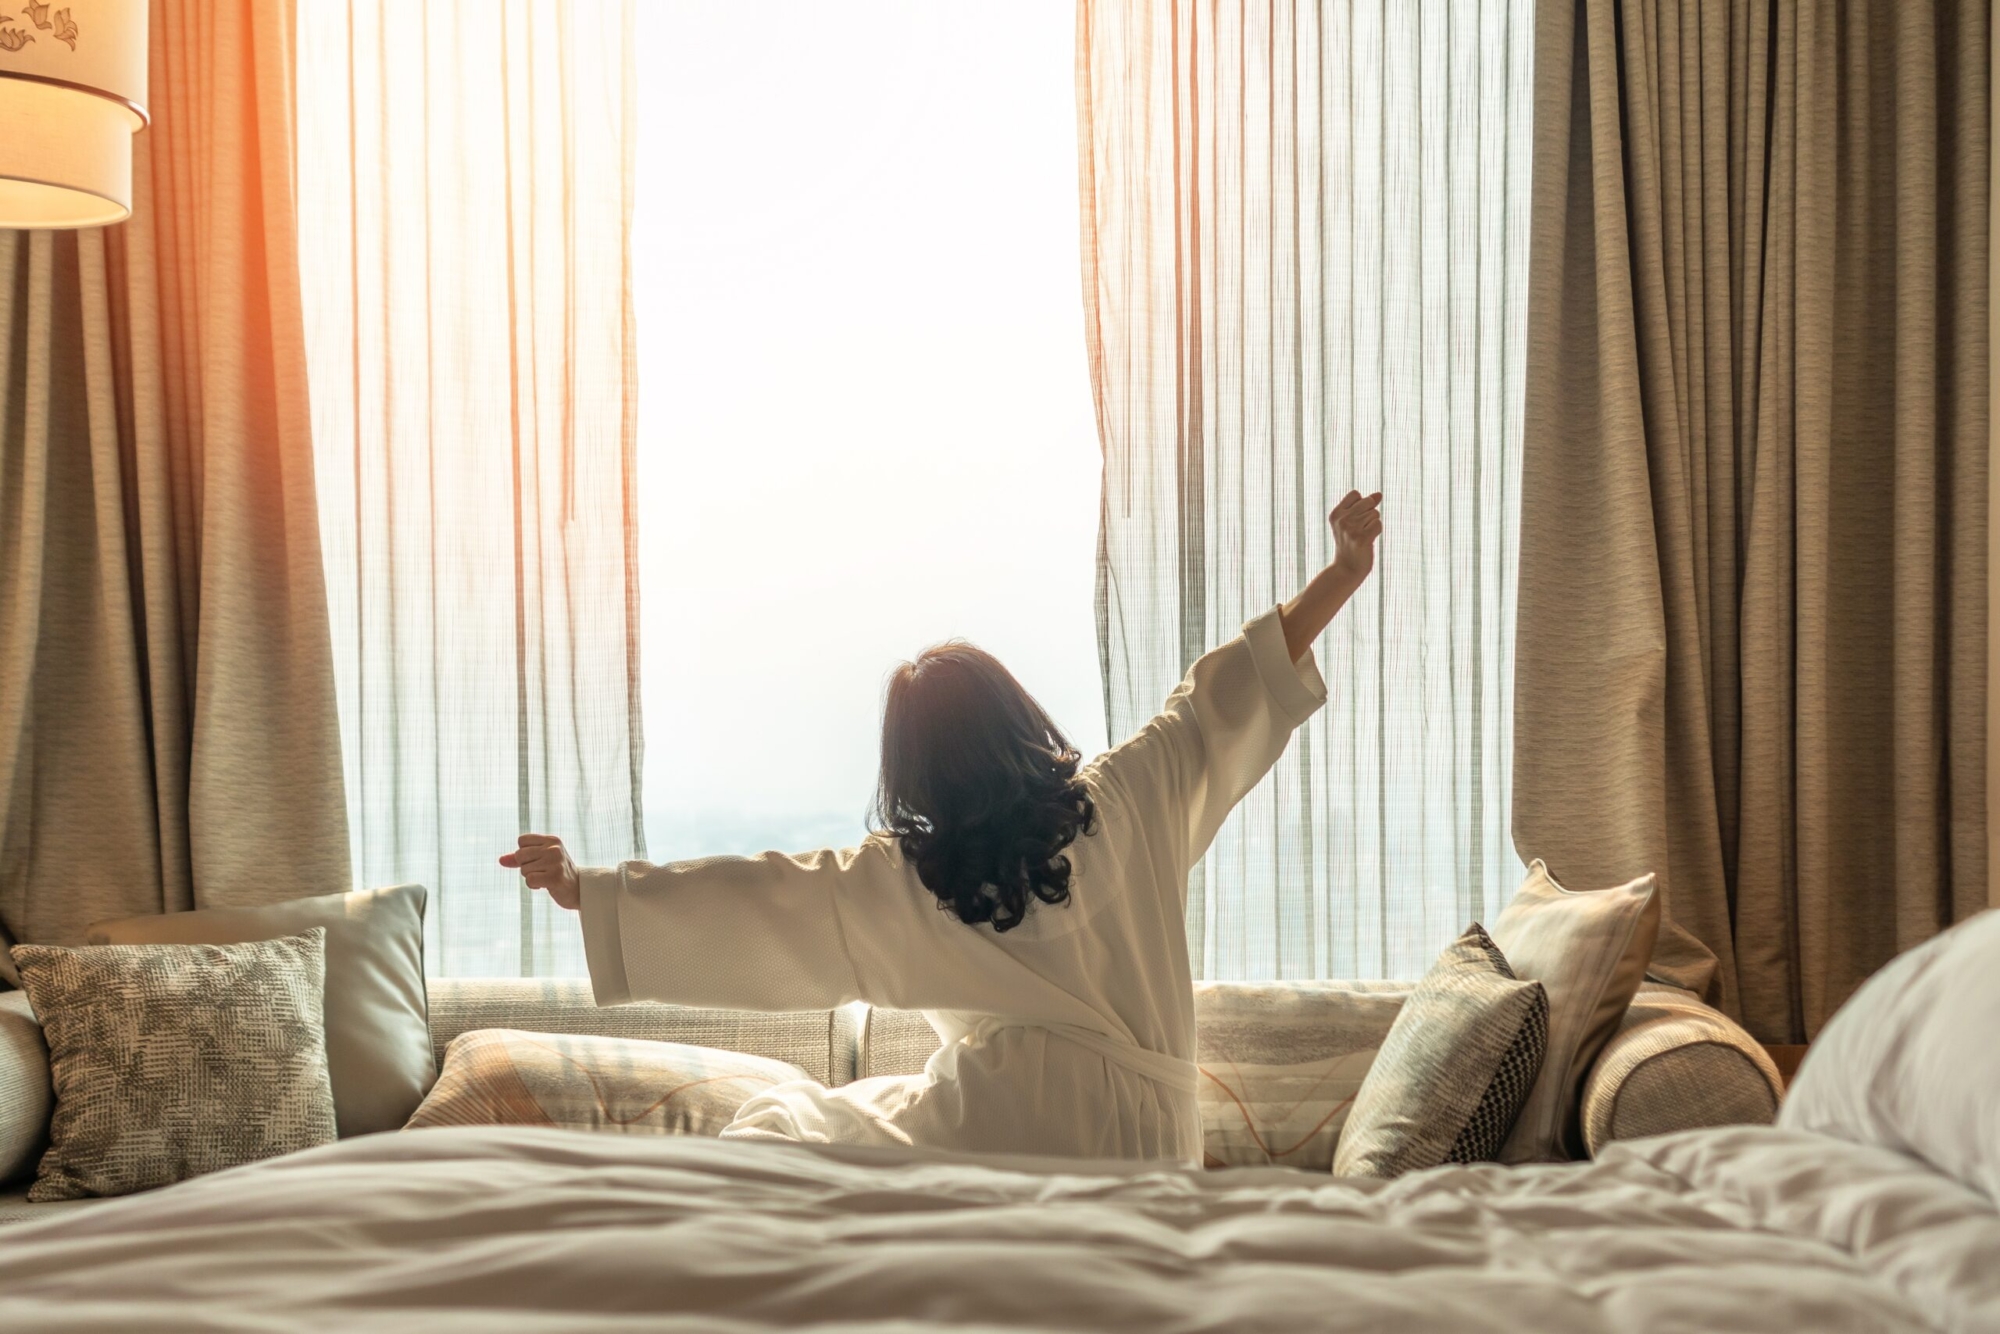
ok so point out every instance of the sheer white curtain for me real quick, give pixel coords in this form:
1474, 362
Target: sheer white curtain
465, 185
1304, 235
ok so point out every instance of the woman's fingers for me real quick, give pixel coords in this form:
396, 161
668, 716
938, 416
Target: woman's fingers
530, 848
1353, 505
1355, 524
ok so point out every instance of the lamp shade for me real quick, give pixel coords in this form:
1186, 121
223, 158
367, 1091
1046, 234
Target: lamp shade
72, 95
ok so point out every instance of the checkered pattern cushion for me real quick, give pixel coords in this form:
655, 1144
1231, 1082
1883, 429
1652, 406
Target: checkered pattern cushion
1455, 1069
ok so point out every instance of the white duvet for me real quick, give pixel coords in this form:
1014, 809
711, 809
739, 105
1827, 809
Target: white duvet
511, 1229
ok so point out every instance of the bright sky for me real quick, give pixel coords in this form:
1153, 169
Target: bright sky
865, 418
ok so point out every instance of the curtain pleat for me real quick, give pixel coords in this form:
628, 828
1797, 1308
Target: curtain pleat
467, 175
168, 735
1752, 596
1304, 251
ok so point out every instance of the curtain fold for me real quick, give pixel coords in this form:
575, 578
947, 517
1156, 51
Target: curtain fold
1304, 249
1753, 560
466, 175
168, 735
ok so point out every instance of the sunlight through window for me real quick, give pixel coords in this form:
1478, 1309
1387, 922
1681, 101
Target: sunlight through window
865, 416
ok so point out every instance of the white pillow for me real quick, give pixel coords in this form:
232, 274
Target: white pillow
1912, 1061
1588, 949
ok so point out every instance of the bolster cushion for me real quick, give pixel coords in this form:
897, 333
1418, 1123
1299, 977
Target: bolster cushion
1676, 1064
26, 1096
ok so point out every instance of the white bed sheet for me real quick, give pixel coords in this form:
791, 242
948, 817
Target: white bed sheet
1753, 1229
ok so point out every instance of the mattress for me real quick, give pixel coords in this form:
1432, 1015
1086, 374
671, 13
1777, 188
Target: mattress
505, 1229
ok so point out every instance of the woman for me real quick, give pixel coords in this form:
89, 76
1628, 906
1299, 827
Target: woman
1032, 908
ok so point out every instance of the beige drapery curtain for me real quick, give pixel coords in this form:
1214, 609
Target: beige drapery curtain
467, 196
167, 728
1304, 254
1752, 630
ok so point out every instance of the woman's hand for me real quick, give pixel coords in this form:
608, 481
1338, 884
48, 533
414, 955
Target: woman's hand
544, 863
1356, 522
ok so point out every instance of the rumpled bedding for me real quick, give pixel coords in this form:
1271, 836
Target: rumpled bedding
505, 1229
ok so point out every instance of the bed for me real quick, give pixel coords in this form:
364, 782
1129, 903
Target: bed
1750, 1228
1869, 1207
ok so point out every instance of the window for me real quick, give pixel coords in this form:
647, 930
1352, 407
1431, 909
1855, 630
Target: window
603, 506
865, 420
849, 416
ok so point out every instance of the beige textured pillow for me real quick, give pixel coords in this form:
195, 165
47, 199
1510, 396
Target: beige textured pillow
378, 1037
1453, 1071
173, 1060
1589, 949
501, 1076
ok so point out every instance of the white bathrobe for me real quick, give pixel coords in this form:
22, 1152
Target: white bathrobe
1073, 1033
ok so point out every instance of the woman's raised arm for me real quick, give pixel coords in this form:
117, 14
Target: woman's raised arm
1356, 522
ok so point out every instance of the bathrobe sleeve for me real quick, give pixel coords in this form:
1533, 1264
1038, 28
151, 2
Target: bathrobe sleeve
1218, 735
752, 933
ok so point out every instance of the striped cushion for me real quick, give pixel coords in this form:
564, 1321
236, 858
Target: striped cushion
1281, 1063
819, 1042
501, 1077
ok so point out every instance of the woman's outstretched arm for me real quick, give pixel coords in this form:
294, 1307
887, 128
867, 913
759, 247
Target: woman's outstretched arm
749, 933
1356, 522
780, 932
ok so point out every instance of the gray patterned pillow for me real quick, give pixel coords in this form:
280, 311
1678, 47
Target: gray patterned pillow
1454, 1070
173, 1060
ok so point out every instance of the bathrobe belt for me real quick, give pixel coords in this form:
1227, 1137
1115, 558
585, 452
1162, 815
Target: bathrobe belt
1175, 1073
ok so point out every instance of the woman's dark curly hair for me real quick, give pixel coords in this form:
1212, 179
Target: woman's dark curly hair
979, 786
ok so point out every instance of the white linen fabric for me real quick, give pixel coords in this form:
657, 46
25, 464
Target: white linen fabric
466, 196
1305, 243
502, 1230
1073, 1033
1908, 1063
